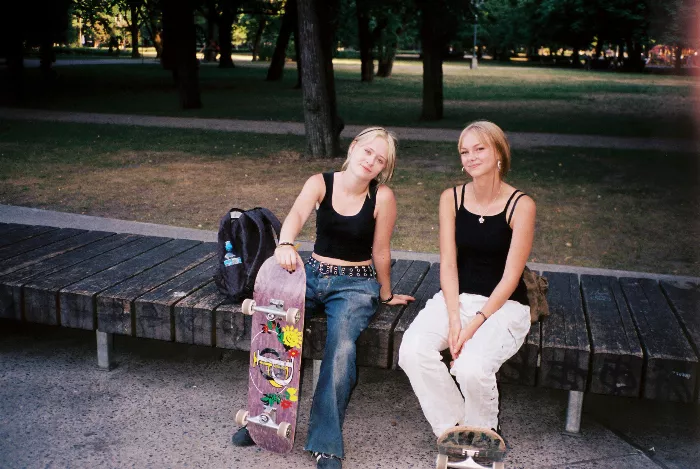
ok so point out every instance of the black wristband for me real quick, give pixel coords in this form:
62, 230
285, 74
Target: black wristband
285, 243
391, 297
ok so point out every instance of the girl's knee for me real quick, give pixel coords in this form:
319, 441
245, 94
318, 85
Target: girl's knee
469, 368
413, 349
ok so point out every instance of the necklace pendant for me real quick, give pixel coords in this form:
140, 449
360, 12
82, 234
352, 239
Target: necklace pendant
481, 219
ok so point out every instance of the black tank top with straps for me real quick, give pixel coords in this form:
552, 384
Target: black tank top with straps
482, 249
347, 238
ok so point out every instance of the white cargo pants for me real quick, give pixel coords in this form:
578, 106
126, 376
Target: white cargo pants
493, 343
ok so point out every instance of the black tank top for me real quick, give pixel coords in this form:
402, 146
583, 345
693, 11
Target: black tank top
346, 238
482, 249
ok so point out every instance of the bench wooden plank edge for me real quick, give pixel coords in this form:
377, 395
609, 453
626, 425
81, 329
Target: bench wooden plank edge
671, 365
616, 352
684, 299
566, 351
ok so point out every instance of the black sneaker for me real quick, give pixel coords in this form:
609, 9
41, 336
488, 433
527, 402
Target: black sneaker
242, 438
327, 461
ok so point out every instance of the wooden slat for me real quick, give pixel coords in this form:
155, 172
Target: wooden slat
194, 316
20, 255
41, 293
427, 289
15, 234
617, 358
115, 305
77, 301
153, 311
375, 344
6, 228
231, 327
43, 256
566, 350
684, 298
521, 368
671, 367
12, 283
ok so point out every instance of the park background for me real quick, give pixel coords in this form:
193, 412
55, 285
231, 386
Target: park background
616, 71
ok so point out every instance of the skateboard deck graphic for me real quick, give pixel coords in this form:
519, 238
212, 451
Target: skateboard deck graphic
470, 447
277, 329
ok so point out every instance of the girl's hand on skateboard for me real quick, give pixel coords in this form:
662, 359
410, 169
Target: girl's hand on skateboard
286, 257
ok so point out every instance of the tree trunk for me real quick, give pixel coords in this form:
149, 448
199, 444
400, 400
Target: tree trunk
387, 55
210, 46
46, 56
14, 92
297, 52
134, 26
262, 22
158, 44
180, 49
365, 37
433, 46
317, 84
226, 19
678, 54
575, 58
289, 20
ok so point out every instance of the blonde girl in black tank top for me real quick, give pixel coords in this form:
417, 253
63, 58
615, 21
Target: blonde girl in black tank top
481, 313
347, 276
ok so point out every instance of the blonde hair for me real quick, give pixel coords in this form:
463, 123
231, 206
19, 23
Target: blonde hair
490, 134
366, 136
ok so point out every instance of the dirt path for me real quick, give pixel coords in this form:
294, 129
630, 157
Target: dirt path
517, 139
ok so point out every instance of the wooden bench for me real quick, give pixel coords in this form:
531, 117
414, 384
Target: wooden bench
617, 336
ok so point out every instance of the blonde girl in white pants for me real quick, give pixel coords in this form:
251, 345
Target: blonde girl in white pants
481, 314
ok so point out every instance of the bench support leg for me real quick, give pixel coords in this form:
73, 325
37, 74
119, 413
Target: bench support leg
573, 412
317, 373
105, 356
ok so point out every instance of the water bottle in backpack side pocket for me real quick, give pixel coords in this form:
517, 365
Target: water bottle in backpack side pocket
230, 258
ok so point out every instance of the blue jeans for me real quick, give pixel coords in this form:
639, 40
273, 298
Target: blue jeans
349, 304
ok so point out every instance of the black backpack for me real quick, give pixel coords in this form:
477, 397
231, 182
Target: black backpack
247, 238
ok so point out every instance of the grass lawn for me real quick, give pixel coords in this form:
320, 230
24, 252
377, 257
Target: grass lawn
517, 98
598, 208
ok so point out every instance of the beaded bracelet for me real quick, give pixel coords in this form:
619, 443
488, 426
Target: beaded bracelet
480, 312
285, 243
391, 297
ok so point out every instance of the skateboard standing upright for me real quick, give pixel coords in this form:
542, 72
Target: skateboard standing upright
482, 448
277, 331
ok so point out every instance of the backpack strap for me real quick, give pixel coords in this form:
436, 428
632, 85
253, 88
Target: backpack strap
270, 218
263, 219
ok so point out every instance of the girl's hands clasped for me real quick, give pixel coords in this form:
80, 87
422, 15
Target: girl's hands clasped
458, 335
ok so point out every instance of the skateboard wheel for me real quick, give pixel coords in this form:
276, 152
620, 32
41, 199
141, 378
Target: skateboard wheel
247, 307
284, 430
293, 315
441, 462
242, 417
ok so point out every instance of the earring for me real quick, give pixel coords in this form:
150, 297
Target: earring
499, 165
462, 169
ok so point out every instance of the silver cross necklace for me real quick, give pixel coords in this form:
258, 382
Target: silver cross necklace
481, 217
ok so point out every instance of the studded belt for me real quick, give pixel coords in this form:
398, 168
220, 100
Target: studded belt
349, 270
